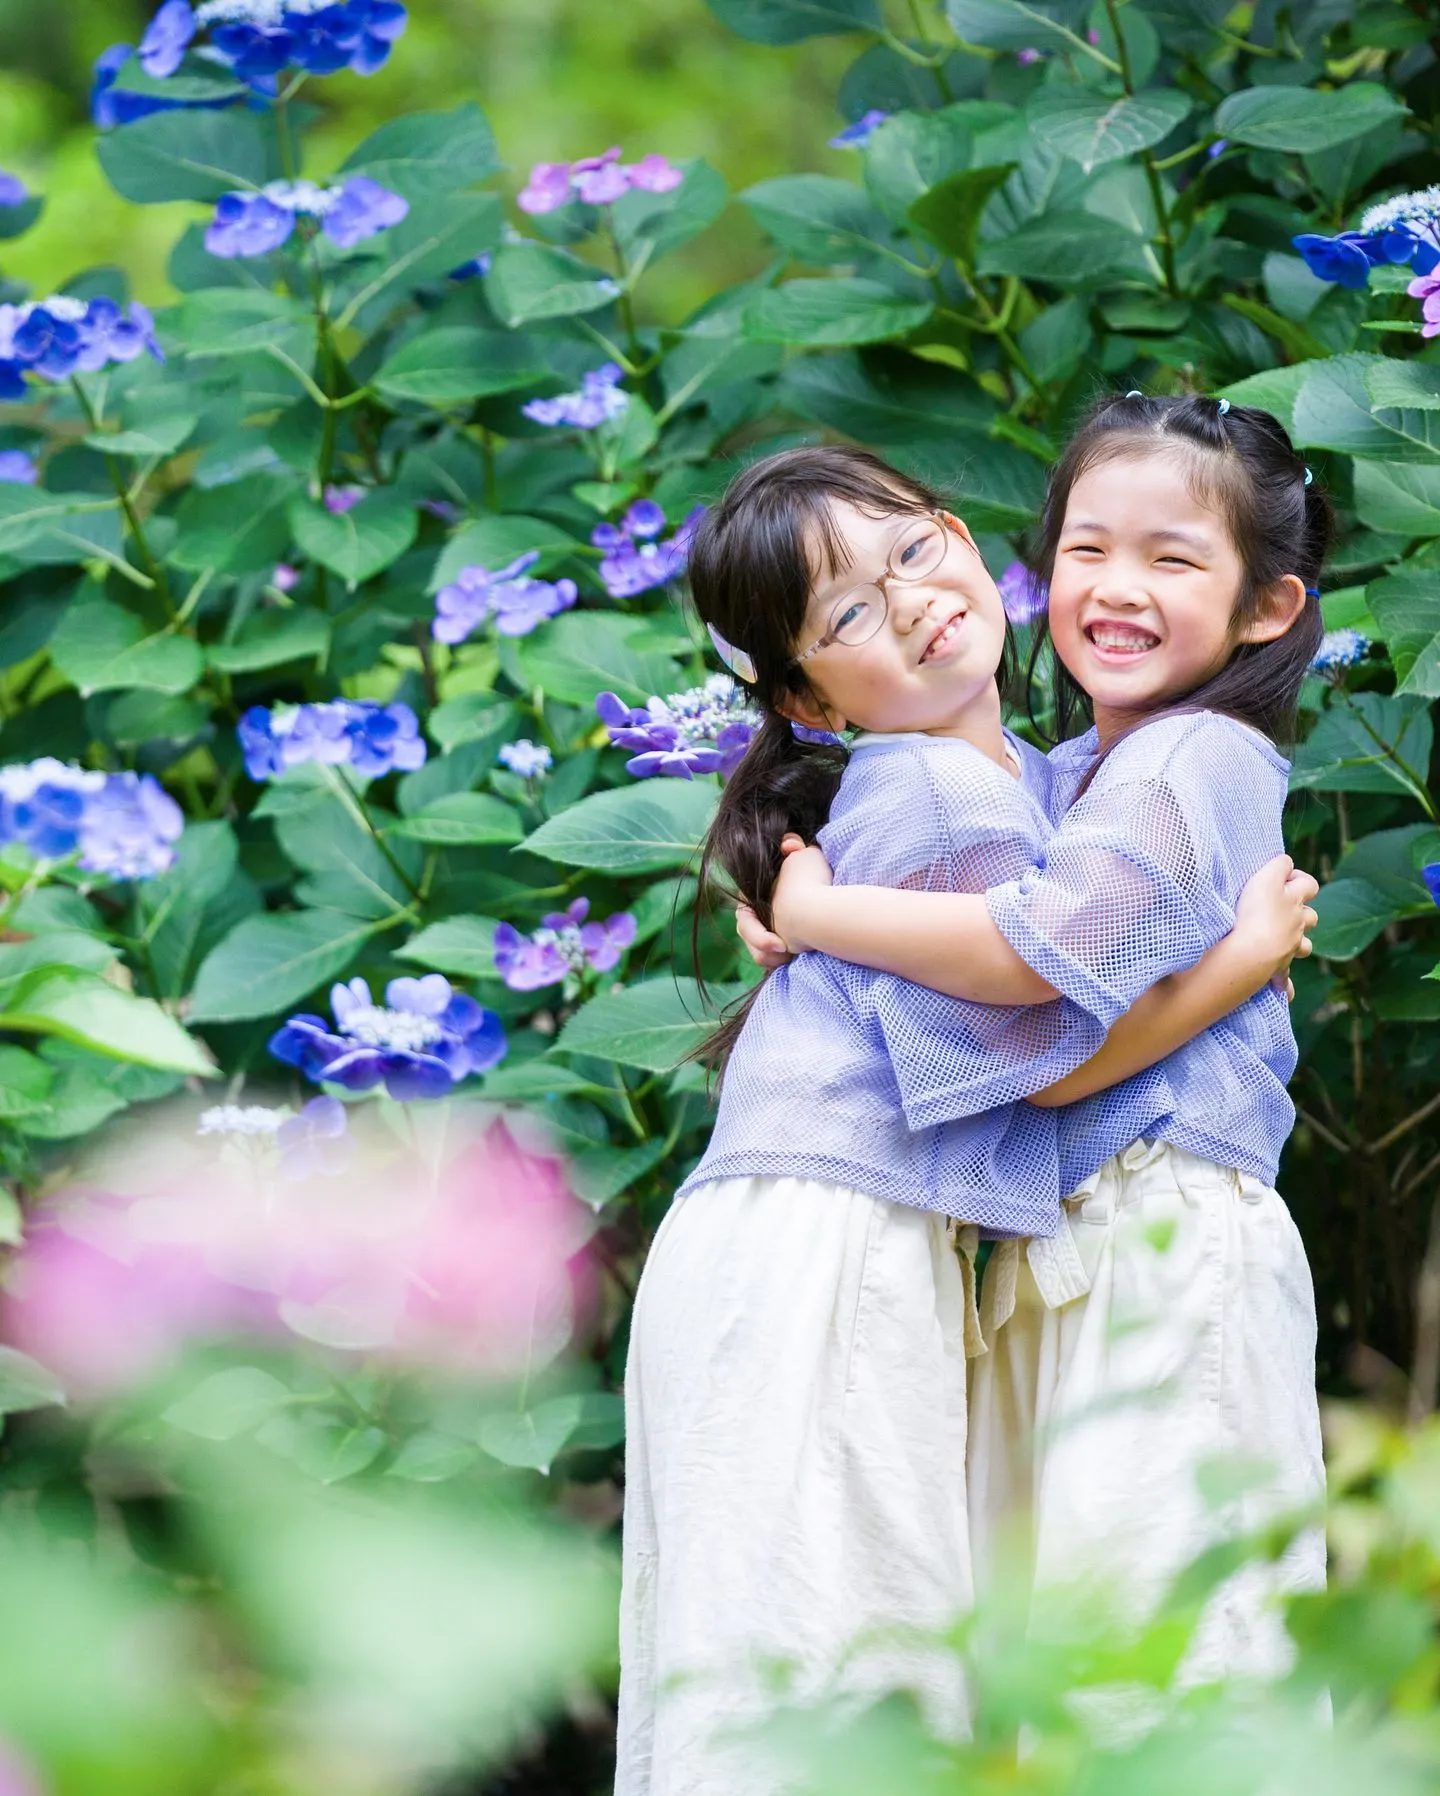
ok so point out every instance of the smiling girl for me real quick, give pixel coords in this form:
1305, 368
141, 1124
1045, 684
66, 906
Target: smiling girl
796, 1402
1182, 543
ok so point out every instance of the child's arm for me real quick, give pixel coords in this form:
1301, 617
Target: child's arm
1270, 924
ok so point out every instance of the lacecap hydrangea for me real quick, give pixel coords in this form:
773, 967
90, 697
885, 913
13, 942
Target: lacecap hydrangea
55, 338
372, 738
124, 825
703, 730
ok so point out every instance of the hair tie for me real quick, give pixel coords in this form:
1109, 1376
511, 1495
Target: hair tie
735, 659
1134, 393
1308, 477
1222, 406
1312, 592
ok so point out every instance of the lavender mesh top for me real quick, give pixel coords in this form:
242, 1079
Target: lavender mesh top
1140, 878
847, 1074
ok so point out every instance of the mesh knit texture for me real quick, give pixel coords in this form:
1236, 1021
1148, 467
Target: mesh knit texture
846, 1074
1141, 877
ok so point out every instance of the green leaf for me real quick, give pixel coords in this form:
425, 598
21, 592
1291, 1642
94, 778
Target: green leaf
654, 1025
651, 225
229, 1403
642, 828
237, 529
495, 542
464, 946
530, 281
601, 1174
819, 218
833, 312
790, 21
30, 516
1333, 411
187, 155
429, 1457
1366, 743
1406, 607
229, 321
1067, 249
266, 964
453, 366
176, 906
358, 543
533, 1438
1304, 119
892, 401
53, 948
25, 1082
428, 152
438, 234
1397, 499
326, 839
1091, 129
99, 646
95, 1014
1352, 913
1400, 385
913, 152
270, 639
321, 1444
1391, 860
25, 1383
1011, 25
949, 214
462, 817
582, 653
1275, 390
89, 1089
161, 435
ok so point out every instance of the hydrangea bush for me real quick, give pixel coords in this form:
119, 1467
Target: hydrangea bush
343, 626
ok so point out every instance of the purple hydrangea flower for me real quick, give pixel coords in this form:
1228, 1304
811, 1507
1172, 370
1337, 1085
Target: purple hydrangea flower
17, 469
110, 335
254, 224
111, 105
166, 39
600, 398
124, 825
60, 336
13, 191
1022, 594
633, 560
370, 737
1339, 649
1028, 57
360, 209
423, 1040
1431, 876
595, 181
315, 1141
284, 578
247, 224
337, 500
1427, 289
562, 948
530, 760
515, 601
856, 136
703, 730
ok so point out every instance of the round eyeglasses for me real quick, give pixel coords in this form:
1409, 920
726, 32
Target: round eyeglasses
917, 552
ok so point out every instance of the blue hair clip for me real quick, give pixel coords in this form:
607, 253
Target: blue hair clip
1134, 393
1308, 477
1312, 592
735, 659
1222, 406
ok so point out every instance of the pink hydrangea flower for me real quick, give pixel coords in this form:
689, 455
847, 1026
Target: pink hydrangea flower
1427, 288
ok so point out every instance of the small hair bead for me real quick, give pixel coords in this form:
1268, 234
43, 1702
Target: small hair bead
1309, 477
1222, 406
1134, 393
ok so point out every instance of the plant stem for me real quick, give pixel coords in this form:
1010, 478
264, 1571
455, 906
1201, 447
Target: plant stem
625, 302
151, 566
1165, 236
356, 806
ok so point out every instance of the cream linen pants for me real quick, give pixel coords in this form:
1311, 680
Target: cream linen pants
1171, 1322
795, 1478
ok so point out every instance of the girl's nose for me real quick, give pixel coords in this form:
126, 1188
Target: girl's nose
909, 602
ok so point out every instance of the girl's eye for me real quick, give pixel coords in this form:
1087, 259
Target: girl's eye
1176, 561
1084, 549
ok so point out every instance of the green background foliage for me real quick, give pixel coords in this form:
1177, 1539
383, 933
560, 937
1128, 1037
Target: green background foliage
1019, 235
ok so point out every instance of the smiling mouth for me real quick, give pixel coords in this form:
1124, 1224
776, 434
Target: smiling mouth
943, 637
1121, 639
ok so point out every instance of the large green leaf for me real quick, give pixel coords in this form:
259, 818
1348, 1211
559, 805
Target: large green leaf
1333, 411
949, 214
266, 964
1404, 386
25, 1383
474, 817
1406, 606
530, 281
327, 840
1090, 129
452, 366
428, 152
29, 514
175, 905
1352, 913
641, 828
189, 155
1067, 249
100, 646
911, 153
788, 21
229, 1403
833, 312
162, 434
819, 218
1304, 118
582, 653
358, 543
237, 529
654, 1025
439, 233
464, 946
230, 321
649, 225
1398, 500
25, 1082
892, 401
270, 639
1274, 390
91, 1012
1366, 743
494, 542
1013, 25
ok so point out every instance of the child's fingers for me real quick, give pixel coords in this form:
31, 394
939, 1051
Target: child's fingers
790, 843
1302, 885
765, 948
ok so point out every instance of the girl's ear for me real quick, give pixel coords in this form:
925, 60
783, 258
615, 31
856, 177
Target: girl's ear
804, 708
1281, 606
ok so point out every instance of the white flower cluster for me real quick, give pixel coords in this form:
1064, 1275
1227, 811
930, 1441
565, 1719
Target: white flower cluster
701, 712
264, 15
1340, 648
1418, 211
235, 1119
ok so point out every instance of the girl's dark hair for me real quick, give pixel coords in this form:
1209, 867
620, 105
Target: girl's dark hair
1240, 462
752, 569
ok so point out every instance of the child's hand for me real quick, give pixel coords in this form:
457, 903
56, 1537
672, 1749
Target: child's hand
1274, 916
764, 947
803, 872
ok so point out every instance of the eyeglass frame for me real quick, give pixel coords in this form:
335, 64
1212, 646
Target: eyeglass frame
947, 530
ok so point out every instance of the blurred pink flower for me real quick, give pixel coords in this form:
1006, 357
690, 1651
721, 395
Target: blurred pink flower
339, 499
284, 577
17, 1778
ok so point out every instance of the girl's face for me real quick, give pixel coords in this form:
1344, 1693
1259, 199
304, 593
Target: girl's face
931, 665
1145, 586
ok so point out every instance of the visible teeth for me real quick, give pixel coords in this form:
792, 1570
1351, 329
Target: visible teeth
1119, 638
944, 636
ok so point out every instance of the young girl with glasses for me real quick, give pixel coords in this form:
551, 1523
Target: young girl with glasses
796, 1403
1182, 543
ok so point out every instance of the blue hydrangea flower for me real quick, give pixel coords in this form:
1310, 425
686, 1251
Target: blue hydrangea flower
422, 1041
315, 1141
1400, 231
1023, 596
600, 398
124, 825
856, 136
252, 1121
13, 191
166, 39
1431, 876
1340, 649
259, 38
368, 736
111, 106
254, 224
530, 760
247, 224
562, 948
516, 601
703, 730
60, 336
17, 469
633, 561
110, 335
